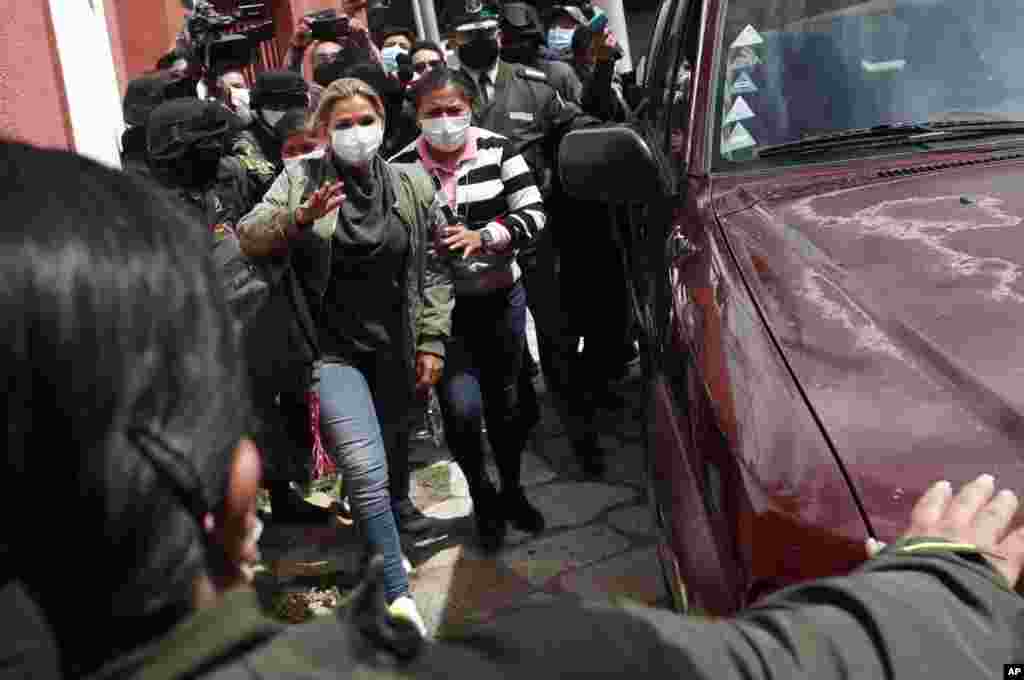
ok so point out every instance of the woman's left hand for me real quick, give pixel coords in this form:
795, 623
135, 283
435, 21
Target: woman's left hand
460, 237
428, 371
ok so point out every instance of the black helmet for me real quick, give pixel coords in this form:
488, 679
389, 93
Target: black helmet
143, 95
177, 125
522, 17
279, 90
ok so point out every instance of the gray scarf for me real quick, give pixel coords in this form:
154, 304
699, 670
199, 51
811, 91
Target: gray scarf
363, 218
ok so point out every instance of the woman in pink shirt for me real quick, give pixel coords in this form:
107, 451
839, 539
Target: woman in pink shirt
493, 208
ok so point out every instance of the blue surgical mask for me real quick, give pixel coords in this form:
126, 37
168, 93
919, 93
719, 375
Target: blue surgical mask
560, 38
390, 56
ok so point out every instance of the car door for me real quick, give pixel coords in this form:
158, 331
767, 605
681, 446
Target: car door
671, 259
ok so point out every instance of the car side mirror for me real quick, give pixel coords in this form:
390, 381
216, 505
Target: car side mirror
609, 164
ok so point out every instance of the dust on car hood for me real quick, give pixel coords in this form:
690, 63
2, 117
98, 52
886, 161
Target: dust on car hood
900, 306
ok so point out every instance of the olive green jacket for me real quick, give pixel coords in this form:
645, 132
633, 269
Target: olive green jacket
429, 298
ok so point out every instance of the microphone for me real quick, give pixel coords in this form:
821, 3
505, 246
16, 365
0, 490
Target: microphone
405, 70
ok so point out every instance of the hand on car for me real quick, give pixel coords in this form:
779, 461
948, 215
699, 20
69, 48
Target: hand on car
976, 515
325, 199
459, 237
428, 371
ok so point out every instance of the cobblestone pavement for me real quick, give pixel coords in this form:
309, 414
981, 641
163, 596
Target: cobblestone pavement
598, 544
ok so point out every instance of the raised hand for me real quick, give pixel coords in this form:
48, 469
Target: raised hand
325, 199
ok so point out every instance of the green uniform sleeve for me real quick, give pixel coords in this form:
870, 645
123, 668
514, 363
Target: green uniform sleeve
434, 324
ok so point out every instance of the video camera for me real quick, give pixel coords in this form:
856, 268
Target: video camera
327, 26
215, 43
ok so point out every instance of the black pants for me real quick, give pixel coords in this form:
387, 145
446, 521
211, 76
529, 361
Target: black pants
557, 344
481, 377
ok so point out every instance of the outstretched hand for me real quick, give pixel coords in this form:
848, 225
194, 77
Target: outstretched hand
325, 199
976, 515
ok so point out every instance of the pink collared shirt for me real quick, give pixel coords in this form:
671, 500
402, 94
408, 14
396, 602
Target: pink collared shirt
447, 172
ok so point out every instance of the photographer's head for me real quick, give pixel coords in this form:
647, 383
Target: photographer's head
186, 139
277, 92
117, 327
352, 116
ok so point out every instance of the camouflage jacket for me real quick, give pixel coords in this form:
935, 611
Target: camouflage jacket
429, 297
261, 166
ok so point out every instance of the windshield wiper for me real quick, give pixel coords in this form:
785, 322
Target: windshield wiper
856, 137
900, 133
963, 129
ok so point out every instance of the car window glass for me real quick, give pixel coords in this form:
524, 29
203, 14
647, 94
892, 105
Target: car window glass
664, 78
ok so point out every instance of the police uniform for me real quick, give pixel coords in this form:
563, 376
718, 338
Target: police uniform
921, 609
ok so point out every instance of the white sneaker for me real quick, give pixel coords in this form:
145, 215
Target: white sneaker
405, 608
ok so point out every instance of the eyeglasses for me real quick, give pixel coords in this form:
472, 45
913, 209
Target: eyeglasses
425, 66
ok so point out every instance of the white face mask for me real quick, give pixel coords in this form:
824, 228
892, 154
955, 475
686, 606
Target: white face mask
358, 144
446, 134
272, 117
240, 99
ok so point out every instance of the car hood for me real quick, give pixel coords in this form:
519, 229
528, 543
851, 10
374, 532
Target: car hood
900, 307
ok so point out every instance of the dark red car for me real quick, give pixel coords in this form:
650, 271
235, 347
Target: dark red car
826, 209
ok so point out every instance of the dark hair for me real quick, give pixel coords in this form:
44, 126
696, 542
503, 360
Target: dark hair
440, 78
389, 31
427, 45
167, 61
581, 38
125, 398
328, 72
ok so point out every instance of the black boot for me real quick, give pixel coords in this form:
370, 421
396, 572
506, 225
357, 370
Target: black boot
518, 511
409, 518
288, 507
591, 457
490, 522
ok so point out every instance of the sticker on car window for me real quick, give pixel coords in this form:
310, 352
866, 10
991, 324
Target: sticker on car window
738, 139
748, 37
744, 84
740, 111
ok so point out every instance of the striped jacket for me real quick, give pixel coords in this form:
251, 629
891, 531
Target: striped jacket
489, 186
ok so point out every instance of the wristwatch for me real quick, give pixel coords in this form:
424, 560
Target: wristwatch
486, 240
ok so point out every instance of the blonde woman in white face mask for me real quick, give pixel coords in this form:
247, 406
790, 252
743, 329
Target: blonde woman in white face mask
494, 208
375, 303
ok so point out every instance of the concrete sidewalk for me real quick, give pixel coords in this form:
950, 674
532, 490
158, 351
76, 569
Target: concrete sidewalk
599, 542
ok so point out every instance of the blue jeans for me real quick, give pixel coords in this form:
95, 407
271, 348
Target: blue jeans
352, 436
481, 377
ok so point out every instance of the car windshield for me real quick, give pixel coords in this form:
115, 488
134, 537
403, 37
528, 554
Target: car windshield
792, 69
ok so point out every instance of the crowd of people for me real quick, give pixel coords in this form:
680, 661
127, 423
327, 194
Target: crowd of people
282, 274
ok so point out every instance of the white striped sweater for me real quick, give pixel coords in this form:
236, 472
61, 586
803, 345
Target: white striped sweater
496, 191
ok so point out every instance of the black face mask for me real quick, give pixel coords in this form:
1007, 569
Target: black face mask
523, 53
194, 170
479, 55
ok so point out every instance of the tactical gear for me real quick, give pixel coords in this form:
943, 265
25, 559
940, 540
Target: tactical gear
177, 126
143, 95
